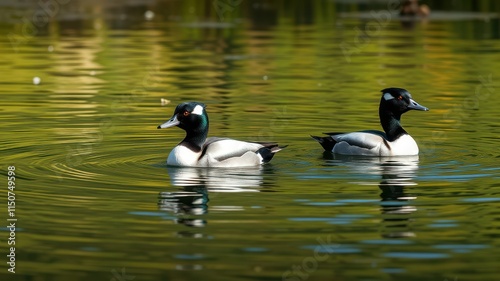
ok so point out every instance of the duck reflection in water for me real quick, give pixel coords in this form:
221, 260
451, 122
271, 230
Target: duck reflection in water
191, 202
397, 174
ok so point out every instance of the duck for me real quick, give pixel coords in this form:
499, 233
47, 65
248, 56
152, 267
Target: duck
394, 141
196, 150
412, 8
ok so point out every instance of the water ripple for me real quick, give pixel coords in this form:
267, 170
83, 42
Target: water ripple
415, 255
333, 249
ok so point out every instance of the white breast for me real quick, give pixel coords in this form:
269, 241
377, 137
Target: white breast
183, 156
403, 146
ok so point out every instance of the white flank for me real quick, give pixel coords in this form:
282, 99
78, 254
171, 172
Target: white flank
346, 145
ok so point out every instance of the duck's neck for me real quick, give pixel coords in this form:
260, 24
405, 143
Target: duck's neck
391, 124
195, 138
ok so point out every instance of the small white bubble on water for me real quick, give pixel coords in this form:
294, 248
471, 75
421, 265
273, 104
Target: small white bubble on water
50, 48
149, 15
264, 77
36, 80
92, 72
164, 102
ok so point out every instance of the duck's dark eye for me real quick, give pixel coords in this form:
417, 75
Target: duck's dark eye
400, 97
186, 113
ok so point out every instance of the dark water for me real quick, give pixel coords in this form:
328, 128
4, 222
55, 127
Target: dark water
95, 201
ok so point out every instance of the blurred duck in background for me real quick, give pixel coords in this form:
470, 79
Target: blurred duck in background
412, 8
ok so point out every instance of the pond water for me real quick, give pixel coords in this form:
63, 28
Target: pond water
81, 100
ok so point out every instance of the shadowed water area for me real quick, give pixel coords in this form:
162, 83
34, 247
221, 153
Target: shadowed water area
82, 93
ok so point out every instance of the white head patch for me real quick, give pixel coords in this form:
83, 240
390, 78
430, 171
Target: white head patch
198, 110
388, 96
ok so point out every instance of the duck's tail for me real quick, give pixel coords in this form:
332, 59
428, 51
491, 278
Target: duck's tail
326, 142
267, 152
